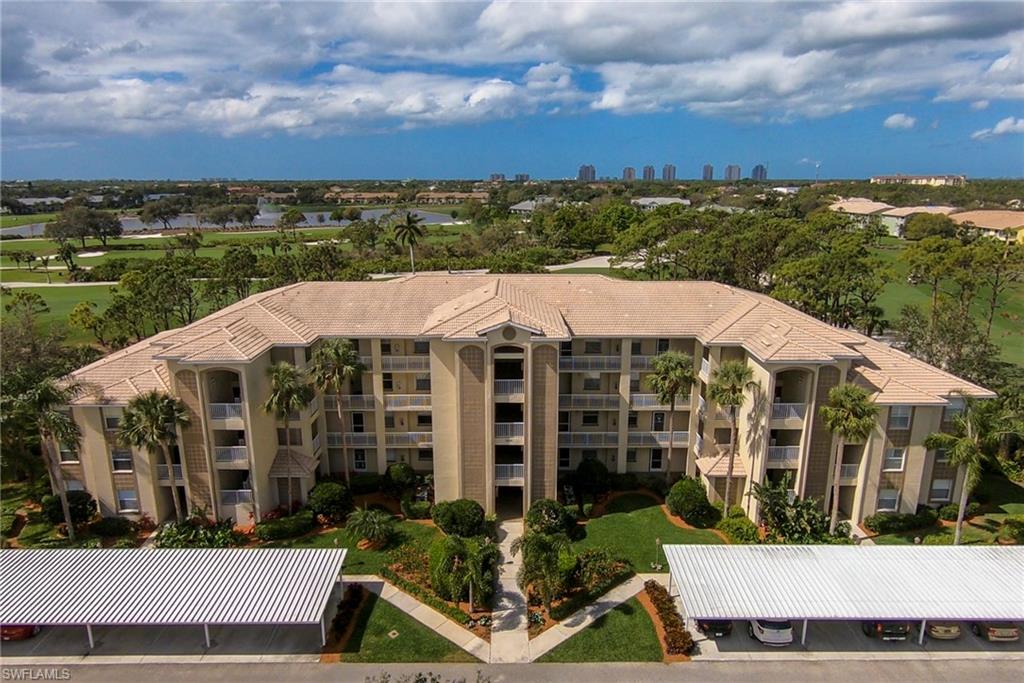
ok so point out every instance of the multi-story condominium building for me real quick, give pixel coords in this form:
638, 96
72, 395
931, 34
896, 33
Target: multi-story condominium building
587, 173
629, 173
708, 172
668, 172
759, 172
732, 172
497, 177
497, 385
648, 173
933, 180
522, 177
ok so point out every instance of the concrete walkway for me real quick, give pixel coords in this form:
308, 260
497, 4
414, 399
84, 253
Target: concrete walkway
510, 641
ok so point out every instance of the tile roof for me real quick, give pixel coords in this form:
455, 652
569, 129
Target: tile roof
859, 206
556, 307
903, 211
992, 219
718, 465
298, 465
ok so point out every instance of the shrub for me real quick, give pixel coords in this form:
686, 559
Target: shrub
948, 513
416, 509
83, 507
198, 532
894, 522
591, 477
330, 500
109, 527
285, 527
1012, 529
654, 482
375, 526
425, 596
688, 500
7, 520
366, 482
462, 517
593, 567
447, 552
126, 542
399, 478
678, 641
347, 607
738, 530
547, 516
623, 481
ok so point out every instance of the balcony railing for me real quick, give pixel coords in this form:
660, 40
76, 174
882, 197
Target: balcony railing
367, 362
407, 401
783, 453
583, 439
657, 438
849, 470
509, 430
509, 472
640, 362
509, 387
788, 411
356, 439
316, 443
348, 402
698, 445
588, 402
705, 367
225, 411
702, 405
231, 453
404, 363
651, 401
161, 472
235, 496
408, 438
599, 363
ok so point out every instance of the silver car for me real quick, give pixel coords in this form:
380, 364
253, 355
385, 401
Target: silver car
771, 632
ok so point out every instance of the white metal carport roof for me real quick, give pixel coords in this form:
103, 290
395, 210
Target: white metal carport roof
848, 582
137, 587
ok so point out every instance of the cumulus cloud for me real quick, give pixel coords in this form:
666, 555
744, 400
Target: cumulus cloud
1004, 127
899, 122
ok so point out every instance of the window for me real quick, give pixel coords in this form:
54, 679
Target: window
592, 381
590, 419
388, 380
888, 500
424, 420
121, 460
127, 500
73, 485
421, 347
899, 417
111, 421
425, 455
893, 460
636, 347
563, 421
634, 383
662, 345
631, 455
942, 491
565, 348
389, 421
308, 352
592, 348
955, 407
590, 454
723, 436
422, 382
658, 422
357, 422
631, 419
392, 455
295, 435
385, 347
359, 459
656, 460
941, 456
68, 454
564, 458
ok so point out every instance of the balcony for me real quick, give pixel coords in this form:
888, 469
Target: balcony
588, 402
408, 439
348, 402
789, 411
357, 439
231, 455
593, 363
313, 406
316, 443
230, 497
161, 473
367, 362
698, 445
407, 402
783, 456
405, 363
225, 411
849, 471
702, 405
657, 439
651, 402
586, 439
507, 388
509, 431
513, 474
705, 369
641, 362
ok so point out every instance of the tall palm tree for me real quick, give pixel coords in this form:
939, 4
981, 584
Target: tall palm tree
408, 232
850, 415
977, 431
290, 392
151, 421
336, 362
539, 569
728, 388
46, 401
673, 377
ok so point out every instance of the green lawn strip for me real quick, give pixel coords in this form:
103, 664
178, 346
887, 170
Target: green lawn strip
1002, 495
62, 299
57, 277
625, 634
630, 528
364, 561
979, 531
370, 642
29, 219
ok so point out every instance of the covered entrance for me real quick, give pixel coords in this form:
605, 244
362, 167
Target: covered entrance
508, 502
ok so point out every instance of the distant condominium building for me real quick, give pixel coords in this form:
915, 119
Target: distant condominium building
629, 173
587, 173
499, 386
668, 172
708, 172
648, 173
759, 173
497, 177
522, 177
732, 172
933, 180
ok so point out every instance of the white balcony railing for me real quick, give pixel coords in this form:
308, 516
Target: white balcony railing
356, 439
705, 368
509, 387
657, 438
231, 453
588, 402
235, 496
698, 445
316, 443
584, 439
651, 401
599, 363
367, 362
788, 411
509, 472
640, 362
408, 438
404, 363
509, 430
225, 411
161, 472
348, 402
702, 405
783, 453
849, 470
407, 401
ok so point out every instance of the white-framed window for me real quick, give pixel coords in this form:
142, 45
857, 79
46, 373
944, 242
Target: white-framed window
657, 461
359, 459
941, 456
424, 419
632, 419
421, 347
631, 455
388, 381
385, 347
121, 460
590, 419
899, 417
392, 455
425, 455
592, 347
894, 458
68, 454
888, 500
941, 491
294, 434
565, 348
955, 407
389, 421
111, 419
592, 381
127, 500
564, 458
634, 383
423, 382
73, 485
662, 345
636, 347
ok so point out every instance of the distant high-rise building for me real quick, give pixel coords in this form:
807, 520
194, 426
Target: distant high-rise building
497, 177
668, 172
522, 177
759, 173
587, 173
732, 172
709, 172
629, 173
648, 173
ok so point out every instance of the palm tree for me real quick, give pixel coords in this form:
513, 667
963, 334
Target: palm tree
977, 431
540, 563
374, 527
467, 566
151, 421
46, 401
673, 377
409, 232
850, 415
728, 388
336, 362
290, 392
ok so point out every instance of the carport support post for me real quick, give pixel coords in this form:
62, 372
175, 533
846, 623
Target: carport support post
803, 634
670, 583
88, 630
920, 636
206, 632
323, 633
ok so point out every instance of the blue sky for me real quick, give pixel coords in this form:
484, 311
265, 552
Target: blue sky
461, 90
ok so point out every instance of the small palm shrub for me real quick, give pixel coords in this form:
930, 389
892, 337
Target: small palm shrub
374, 527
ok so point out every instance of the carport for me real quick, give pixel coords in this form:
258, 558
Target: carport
168, 587
840, 582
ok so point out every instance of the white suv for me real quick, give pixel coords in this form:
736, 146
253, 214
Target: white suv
774, 633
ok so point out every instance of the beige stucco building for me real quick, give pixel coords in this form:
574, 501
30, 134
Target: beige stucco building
496, 385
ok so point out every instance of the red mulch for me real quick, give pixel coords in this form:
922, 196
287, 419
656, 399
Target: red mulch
645, 600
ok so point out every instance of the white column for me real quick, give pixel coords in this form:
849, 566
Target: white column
803, 634
206, 633
323, 633
920, 636
88, 630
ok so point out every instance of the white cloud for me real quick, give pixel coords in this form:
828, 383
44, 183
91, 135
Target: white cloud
1004, 127
979, 105
899, 122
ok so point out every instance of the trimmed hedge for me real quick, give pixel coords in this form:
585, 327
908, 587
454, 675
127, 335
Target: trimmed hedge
330, 499
83, 507
739, 530
286, 527
416, 509
688, 500
366, 482
678, 640
623, 481
579, 600
895, 522
654, 482
399, 478
425, 596
109, 527
948, 513
462, 517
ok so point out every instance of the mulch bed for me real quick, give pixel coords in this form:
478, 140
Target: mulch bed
645, 600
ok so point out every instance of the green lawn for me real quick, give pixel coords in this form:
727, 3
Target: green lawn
62, 299
365, 561
57, 277
624, 634
1005, 496
370, 642
629, 530
15, 221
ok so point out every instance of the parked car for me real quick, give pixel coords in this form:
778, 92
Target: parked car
996, 631
771, 632
715, 628
17, 632
943, 630
886, 630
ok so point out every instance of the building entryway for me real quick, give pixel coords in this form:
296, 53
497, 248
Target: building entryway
508, 502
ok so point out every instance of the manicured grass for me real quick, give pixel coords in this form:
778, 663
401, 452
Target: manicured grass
370, 642
1003, 495
624, 634
365, 561
629, 530
57, 277
15, 221
62, 299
